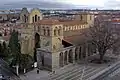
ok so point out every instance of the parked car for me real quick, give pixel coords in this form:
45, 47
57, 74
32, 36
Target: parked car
1, 76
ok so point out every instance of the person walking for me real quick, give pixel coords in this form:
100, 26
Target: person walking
37, 71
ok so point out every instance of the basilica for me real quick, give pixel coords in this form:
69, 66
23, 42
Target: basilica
55, 43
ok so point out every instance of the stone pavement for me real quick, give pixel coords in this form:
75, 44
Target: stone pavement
74, 72
32, 75
69, 72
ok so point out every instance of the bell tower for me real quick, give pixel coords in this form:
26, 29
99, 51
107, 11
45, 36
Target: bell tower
24, 15
57, 37
28, 31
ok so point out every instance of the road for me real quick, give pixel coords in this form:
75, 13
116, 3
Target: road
7, 71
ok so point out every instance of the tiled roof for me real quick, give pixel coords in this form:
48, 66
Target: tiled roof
56, 22
76, 39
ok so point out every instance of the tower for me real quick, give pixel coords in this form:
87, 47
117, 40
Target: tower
24, 15
85, 17
29, 32
51, 35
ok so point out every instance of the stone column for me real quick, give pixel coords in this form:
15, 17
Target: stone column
46, 32
78, 53
86, 50
73, 51
63, 59
67, 57
81, 53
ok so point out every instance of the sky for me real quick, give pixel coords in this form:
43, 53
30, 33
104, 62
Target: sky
106, 4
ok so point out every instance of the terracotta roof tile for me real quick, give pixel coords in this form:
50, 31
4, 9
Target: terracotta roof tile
56, 22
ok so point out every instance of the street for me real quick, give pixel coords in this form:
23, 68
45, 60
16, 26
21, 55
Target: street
6, 71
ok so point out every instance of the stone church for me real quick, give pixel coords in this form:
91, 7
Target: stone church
55, 43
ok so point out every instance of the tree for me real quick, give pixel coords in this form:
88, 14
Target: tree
25, 61
15, 49
3, 50
14, 42
103, 35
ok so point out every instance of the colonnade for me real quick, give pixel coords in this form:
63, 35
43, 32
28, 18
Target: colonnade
74, 54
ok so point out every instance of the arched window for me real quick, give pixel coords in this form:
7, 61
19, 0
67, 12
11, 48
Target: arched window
55, 32
38, 17
35, 18
59, 32
48, 32
25, 18
69, 28
81, 17
0, 34
44, 31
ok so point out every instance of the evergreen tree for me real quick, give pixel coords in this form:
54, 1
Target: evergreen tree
1, 50
14, 47
5, 49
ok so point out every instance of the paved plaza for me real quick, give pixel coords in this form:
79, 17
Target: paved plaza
74, 71
32, 75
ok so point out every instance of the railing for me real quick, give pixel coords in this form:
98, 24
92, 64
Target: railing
102, 74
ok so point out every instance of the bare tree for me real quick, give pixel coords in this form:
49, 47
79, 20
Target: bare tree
103, 35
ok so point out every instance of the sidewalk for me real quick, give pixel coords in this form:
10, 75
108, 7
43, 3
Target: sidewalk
32, 75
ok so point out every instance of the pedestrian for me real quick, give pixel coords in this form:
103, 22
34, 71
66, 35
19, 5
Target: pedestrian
53, 72
37, 71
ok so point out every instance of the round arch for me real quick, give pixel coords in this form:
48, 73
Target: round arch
70, 56
76, 53
36, 14
65, 57
37, 45
37, 40
61, 59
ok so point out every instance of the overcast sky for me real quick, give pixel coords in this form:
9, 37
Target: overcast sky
114, 4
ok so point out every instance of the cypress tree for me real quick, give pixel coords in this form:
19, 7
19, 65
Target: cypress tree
14, 47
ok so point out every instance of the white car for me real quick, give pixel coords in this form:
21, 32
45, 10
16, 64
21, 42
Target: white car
1, 76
